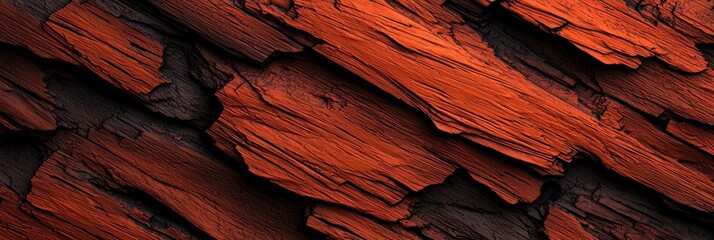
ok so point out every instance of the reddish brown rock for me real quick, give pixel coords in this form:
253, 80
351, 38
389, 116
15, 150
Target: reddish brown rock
608, 207
67, 199
356, 119
22, 25
628, 121
169, 163
24, 102
692, 18
135, 53
655, 89
339, 223
612, 32
225, 24
357, 152
699, 136
26, 113
116, 157
20, 158
110, 48
560, 225
476, 95
589, 202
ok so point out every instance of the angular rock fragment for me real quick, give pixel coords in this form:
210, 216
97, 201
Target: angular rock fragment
696, 135
228, 26
110, 48
476, 95
169, 163
611, 32
107, 152
69, 197
25, 103
655, 90
561, 225
692, 18
587, 203
20, 158
22, 25
315, 132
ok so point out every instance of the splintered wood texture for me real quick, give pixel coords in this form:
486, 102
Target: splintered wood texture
356, 119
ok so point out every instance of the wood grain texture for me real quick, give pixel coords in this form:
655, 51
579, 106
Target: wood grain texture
356, 119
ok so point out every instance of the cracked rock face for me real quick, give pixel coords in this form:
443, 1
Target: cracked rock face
356, 119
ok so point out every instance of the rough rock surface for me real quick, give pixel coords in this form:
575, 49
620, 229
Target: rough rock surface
357, 119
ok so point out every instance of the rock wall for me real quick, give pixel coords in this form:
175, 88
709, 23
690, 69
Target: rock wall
356, 119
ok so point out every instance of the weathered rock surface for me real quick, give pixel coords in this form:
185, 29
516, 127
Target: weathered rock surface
356, 119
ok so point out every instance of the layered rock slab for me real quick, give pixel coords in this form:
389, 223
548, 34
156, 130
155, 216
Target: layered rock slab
299, 125
85, 157
459, 88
